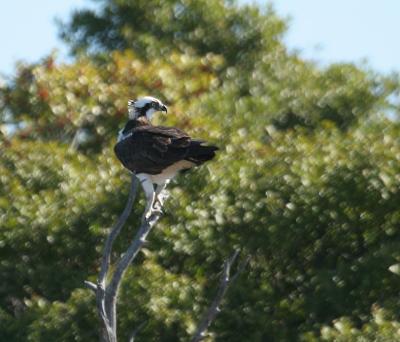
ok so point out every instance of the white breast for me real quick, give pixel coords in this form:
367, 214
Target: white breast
171, 171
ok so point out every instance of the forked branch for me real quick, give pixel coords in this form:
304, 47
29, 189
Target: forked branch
106, 294
225, 280
107, 291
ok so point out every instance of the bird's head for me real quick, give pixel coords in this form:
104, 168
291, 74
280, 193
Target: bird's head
145, 106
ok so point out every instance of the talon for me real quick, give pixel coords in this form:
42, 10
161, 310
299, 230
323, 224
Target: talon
162, 197
157, 210
147, 215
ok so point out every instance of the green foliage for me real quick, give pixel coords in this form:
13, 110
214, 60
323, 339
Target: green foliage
84, 103
306, 182
156, 27
381, 328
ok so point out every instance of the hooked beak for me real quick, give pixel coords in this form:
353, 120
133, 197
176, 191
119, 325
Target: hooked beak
164, 108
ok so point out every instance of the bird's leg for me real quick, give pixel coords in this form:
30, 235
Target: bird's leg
149, 193
160, 196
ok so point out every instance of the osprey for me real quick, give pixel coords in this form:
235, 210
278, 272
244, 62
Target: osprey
156, 153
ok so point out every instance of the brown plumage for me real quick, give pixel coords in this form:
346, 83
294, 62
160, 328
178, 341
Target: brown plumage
156, 153
152, 149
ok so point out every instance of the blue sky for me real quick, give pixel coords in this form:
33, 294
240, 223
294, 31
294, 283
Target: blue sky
28, 30
345, 30
326, 31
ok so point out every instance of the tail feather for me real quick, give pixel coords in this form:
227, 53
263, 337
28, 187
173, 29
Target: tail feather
199, 153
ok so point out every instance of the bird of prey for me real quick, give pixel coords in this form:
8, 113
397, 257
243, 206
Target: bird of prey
156, 153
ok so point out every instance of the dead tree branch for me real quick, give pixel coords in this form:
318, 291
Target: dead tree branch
107, 293
124, 262
108, 283
224, 283
136, 331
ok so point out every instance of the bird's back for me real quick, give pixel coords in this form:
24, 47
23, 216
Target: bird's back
156, 150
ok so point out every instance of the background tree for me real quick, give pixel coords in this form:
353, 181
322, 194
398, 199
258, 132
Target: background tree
307, 182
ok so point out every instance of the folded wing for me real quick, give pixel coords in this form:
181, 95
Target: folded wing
151, 149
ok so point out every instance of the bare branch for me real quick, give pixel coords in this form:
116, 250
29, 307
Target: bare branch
105, 262
135, 246
224, 283
108, 325
106, 294
110, 322
109, 335
240, 268
91, 285
136, 331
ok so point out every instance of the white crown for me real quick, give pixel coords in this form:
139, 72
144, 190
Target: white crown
141, 102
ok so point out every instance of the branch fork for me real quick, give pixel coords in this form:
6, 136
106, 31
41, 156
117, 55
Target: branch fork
225, 280
107, 291
108, 283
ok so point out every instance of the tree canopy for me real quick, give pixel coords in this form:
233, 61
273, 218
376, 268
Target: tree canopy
306, 182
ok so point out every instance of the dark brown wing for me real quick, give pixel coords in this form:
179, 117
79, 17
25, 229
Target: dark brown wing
151, 149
